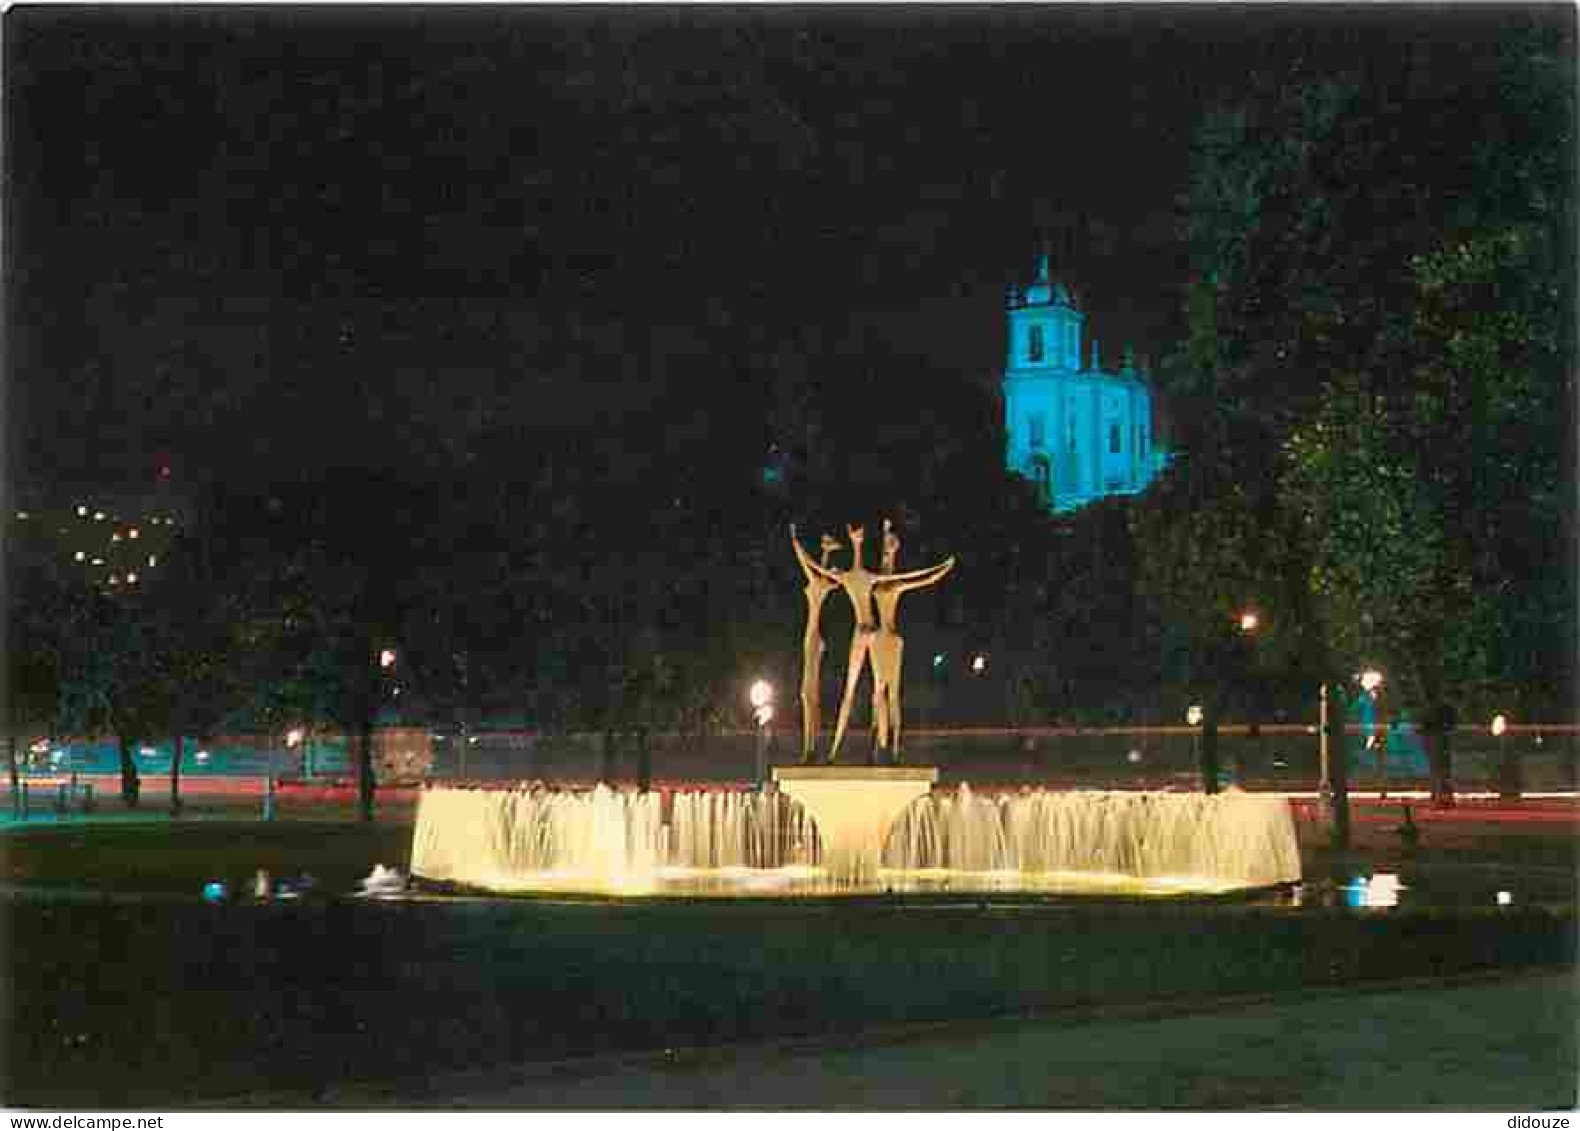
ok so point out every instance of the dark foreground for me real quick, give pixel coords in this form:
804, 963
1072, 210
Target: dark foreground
155, 1000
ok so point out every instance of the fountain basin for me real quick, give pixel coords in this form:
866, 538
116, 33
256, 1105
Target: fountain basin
746, 843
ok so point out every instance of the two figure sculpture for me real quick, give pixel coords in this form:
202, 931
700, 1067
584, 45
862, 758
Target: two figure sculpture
875, 640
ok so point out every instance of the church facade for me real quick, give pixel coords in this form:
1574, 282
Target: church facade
1075, 431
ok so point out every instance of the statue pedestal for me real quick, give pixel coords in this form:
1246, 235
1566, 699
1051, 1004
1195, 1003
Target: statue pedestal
854, 807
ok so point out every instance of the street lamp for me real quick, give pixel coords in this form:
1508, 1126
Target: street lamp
295, 737
1193, 715
761, 697
1371, 681
1509, 783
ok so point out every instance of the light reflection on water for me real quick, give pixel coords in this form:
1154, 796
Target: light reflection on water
812, 881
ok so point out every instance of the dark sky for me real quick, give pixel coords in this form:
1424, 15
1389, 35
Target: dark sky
271, 238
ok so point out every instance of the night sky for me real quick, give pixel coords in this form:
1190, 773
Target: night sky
261, 243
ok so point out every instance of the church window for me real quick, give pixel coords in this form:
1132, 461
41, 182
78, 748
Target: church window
1034, 344
1036, 429
1113, 437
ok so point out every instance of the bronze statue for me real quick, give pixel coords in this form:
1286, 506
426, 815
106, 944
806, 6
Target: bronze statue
818, 587
863, 587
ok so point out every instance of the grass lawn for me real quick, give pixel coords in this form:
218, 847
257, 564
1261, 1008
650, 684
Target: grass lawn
168, 1002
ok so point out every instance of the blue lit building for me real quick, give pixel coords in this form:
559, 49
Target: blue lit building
1077, 432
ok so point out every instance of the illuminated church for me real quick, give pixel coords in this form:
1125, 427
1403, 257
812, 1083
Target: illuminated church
1075, 431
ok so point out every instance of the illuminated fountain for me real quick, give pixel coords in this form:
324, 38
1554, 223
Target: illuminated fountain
850, 829
745, 842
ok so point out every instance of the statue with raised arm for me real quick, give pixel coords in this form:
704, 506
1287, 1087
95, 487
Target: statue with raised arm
888, 646
819, 584
862, 587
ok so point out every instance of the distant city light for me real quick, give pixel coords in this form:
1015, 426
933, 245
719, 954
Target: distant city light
387, 658
98, 561
98, 516
1505, 898
115, 579
131, 579
1371, 679
761, 694
979, 663
147, 751
82, 511
153, 560
80, 556
132, 533
1134, 756
1248, 621
1193, 715
938, 659
764, 714
1499, 725
116, 537
201, 756
22, 515
293, 737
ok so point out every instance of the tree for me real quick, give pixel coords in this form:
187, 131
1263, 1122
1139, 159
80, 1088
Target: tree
1386, 304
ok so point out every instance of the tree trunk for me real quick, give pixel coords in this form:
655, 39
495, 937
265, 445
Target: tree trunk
16, 776
131, 783
644, 760
1338, 770
1439, 753
175, 777
606, 758
365, 781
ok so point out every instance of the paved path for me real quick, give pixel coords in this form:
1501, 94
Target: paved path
1507, 1044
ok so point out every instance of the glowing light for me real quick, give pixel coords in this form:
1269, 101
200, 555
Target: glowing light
116, 537
938, 659
1380, 890
1134, 756
132, 533
1248, 621
1193, 715
1371, 679
979, 663
98, 516
764, 714
387, 658
1505, 898
147, 751
82, 511
98, 561
131, 579
152, 560
1499, 724
201, 756
293, 737
761, 694
115, 579
22, 515
40, 746
79, 556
